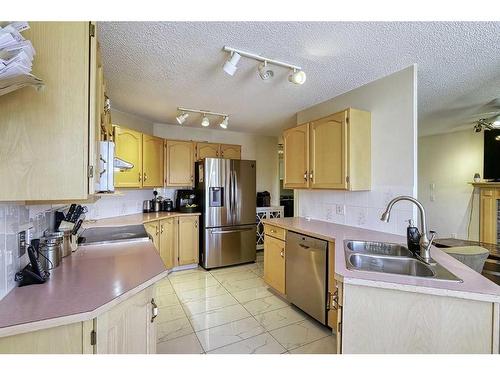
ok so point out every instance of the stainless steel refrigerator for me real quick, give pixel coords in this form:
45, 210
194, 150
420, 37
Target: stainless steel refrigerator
227, 195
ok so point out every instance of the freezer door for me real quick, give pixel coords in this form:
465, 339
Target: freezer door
217, 189
243, 193
226, 246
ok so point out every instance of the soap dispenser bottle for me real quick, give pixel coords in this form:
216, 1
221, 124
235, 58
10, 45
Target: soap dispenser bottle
413, 237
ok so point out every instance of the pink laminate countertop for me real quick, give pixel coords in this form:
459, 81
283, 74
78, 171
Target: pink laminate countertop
93, 277
134, 219
474, 285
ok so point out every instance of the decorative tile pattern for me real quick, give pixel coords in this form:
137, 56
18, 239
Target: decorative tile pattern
232, 310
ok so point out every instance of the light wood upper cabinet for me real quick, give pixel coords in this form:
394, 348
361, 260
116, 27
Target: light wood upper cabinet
329, 153
327, 146
128, 146
230, 151
296, 157
188, 240
169, 242
274, 263
152, 161
180, 163
207, 150
45, 135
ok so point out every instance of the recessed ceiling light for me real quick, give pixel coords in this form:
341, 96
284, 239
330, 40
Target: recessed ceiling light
230, 65
297, 76
181, 118
264, 72
205, 122
224, 122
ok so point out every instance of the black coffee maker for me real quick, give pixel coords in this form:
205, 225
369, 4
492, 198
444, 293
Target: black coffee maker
186, 201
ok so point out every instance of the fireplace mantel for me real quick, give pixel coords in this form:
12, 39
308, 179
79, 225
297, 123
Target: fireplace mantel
488, 211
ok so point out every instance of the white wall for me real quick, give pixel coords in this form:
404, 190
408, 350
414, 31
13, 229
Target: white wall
392, 101
263, 149
131, 121
449, 161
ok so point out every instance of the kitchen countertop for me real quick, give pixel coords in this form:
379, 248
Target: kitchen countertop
134, 219
451, 242
474, 285
89, 282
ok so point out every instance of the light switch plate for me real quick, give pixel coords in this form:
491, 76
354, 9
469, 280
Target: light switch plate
340, 209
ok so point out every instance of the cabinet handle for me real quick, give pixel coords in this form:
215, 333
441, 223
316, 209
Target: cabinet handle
305, 176
140, 177
272, 231
157, 231
311, 175
154, 310
145, 176
196, 224
282, 253
161, 230
192, 178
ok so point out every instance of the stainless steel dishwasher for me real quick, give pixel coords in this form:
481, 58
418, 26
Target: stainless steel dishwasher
306, 274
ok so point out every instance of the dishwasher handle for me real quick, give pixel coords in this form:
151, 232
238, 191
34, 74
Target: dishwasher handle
304, 246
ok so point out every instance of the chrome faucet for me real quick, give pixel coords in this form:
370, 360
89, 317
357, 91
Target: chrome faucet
425, 243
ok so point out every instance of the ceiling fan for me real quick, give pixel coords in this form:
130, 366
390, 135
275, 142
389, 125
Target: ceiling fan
489, 120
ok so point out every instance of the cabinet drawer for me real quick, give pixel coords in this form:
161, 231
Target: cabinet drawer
273, 231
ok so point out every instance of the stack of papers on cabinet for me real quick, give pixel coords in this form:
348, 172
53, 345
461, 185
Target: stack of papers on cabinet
16, 59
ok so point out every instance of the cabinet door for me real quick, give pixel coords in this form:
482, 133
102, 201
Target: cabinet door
127, 327
207, 150
230, 151
180, 163
296, 157
487, 215
188, 240
44, 135
153, 229
128, 146
327, 161
152, 161
274, 263
168, 242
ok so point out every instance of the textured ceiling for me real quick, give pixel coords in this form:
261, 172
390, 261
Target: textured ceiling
154, 67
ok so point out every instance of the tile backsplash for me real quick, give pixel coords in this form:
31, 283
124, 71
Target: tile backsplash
358, 208
15, 217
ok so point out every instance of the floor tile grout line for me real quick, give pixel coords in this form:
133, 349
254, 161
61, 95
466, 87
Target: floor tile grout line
324, 337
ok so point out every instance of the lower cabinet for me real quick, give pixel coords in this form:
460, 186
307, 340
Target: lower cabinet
129, 327
176, 239
274, 263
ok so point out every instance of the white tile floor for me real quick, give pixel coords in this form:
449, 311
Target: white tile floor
231, 310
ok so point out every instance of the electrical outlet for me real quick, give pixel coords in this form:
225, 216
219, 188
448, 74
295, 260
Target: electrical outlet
453, 235
340, 209
329, 213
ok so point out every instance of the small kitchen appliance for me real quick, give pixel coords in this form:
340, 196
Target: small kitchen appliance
186, 201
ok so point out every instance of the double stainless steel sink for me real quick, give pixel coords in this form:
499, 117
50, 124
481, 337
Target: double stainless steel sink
391, 258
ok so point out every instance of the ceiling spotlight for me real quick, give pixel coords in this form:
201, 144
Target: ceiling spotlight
230, 65
264, 72
297, 76
181, 118
205, 122
224, 122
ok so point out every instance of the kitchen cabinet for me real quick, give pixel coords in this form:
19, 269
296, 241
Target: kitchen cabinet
230, 151
168, 241
296, 157
207, 150
47, 137
488, 213
333, 152
152, 161
128, 147
274, 263
129, 327
180, 163
188, 240
153, 229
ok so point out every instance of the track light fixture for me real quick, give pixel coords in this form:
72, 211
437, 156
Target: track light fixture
264, 72
224, 122
297, 76
182, 117
205, 121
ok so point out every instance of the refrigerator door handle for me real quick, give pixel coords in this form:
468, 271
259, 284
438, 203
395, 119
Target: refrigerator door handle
230, 231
